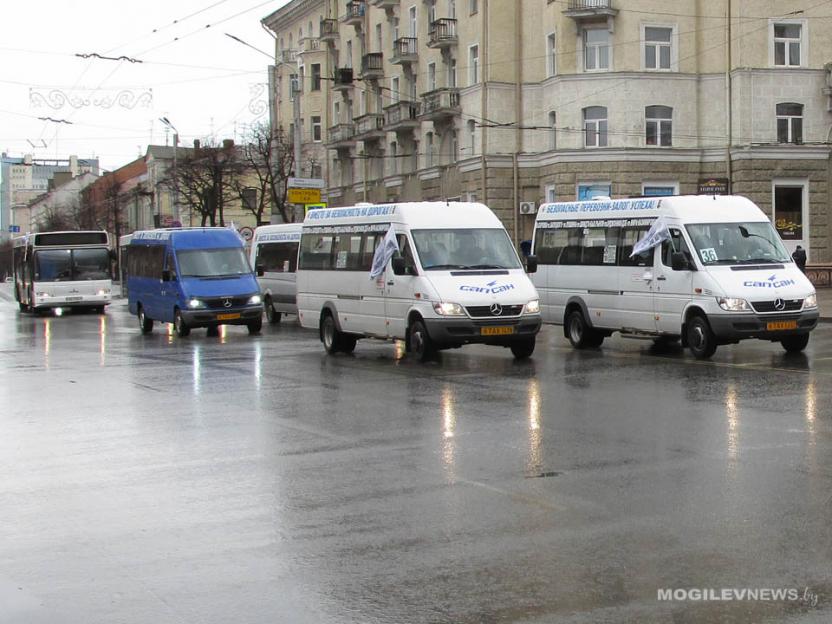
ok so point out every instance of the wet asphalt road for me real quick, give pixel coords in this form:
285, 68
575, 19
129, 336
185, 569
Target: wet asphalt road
255, 479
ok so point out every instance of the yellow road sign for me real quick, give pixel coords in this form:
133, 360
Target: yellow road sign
304, 196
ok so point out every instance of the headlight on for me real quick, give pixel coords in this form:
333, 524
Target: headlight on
533, 307
733, 304
103, 291
448, 309
195, 303
255, 300
811, 301
41, 294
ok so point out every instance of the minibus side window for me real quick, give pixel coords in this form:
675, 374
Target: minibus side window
629, 237
171, 266
407, 254
277, 257
316, 252
675, 244
571, 253
368, 249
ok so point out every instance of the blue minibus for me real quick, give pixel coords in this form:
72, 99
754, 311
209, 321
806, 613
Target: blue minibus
192, 277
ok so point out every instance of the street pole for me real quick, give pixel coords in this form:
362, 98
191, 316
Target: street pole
297, 133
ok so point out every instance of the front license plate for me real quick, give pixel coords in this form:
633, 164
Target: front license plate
781, 325
74, 298
228, 317
496, 331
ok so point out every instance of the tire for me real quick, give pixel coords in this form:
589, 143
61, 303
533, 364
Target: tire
795, 344
701, 340
145, 322
179, 324
579, 333
523, 348
330, 335
255, 326
272, 315
421, 344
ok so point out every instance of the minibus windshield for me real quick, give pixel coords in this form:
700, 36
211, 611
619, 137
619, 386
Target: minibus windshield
737, 243
212, 262
465, 249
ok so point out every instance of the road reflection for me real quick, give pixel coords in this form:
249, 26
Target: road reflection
447, 404
535, 457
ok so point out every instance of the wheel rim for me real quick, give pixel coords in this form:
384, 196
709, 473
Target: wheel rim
177, 323
329, 333
576, 331
417, 341
697, 338
141, 319
269, 310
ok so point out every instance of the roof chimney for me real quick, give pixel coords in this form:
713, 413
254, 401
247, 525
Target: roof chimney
227, 144
196, 144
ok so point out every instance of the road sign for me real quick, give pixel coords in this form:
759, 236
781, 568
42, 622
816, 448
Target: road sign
246, 232
305, 183
304, 196
14, 229
309, 207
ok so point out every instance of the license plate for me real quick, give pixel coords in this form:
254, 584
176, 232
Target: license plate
781, 325
496, 331
228, 317
74, 298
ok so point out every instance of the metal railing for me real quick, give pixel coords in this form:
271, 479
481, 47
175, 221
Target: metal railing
580, 5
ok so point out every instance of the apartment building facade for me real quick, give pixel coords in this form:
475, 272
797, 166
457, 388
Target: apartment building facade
508, 102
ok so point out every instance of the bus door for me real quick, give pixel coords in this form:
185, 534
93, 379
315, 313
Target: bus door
672, 288
636, 280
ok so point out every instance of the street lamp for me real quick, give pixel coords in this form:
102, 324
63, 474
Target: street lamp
168, 124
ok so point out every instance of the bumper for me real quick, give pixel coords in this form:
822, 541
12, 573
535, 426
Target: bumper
456, 331
231, 316
732, 327
72, 301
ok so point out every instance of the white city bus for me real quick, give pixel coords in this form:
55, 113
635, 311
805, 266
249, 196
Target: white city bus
62, 270
716, 273
453, 279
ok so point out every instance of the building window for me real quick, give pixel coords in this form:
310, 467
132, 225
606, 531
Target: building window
595, 126
429, 150
452, 72
657, 47
316, 77
348, 62
659, 125
336, 112
551, 66
414, 26
379, 39
596, 49
549, 194
249, 197
431, 12
316, 129
394, 90
431, 76
452, 9
787, 44
659, 189
472, 137
789, 122
553, 131
454, 146
473, 7
394, 158
589, 190
473, 64
788, 209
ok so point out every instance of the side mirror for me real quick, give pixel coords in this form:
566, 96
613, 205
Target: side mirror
260, 270
166, 275
399, 265
531, 264
680, 262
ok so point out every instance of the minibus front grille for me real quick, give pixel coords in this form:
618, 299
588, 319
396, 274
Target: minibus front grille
789, 305
486, 312
219, 303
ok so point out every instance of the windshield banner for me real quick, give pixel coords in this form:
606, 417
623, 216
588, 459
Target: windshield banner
383, 253
656, 235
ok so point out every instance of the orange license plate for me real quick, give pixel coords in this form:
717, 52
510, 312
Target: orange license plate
228, 317
496, 331
781, 325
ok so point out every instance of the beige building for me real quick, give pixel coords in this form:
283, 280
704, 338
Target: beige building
510, 102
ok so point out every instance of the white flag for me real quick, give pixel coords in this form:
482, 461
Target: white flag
656, 235
383, 253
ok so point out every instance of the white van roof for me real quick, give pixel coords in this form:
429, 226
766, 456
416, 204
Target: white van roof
685, 208
277, 232
419, 215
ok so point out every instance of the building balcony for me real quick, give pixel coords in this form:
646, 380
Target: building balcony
372, 66
309, 44
442, 33
402, 116
329, 30
387, 5
343, 79
405, 51
369, 127
340, 136
288, 56
590, 10
355, 13
440, 104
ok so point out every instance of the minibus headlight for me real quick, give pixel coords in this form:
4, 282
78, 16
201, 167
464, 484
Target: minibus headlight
811, 301
255, 300
533, 306
733, 304
448, 309
195, 303
41, 294
103, 291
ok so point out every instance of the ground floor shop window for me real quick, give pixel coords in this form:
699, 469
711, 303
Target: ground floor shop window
789, 210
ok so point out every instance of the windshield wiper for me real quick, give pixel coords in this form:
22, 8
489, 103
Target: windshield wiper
446, 266
761, 261
487, 266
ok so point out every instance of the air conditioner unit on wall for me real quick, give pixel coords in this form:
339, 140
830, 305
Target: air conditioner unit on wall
527, 208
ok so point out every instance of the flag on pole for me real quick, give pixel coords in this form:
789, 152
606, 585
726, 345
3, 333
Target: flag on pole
656, 235
383, 253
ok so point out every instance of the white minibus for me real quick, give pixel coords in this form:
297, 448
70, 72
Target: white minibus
274, 256
454, 278
714, 272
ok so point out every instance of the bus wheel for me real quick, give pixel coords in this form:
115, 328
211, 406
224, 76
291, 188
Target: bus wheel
701, 340
795, 344
255, 326
421, 344
523, 348
579, 333
179, 324
272, 315
330, 335
145, 323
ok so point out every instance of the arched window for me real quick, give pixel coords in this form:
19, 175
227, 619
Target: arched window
659, 125
789, 122
595, 126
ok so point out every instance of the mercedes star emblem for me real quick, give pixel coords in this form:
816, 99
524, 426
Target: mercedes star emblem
227, 303
779, 304
496, 309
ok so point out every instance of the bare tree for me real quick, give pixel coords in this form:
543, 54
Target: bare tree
5, 258
267, 160
56, 218
206, 180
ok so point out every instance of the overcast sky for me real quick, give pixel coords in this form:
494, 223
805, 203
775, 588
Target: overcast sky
205, 83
